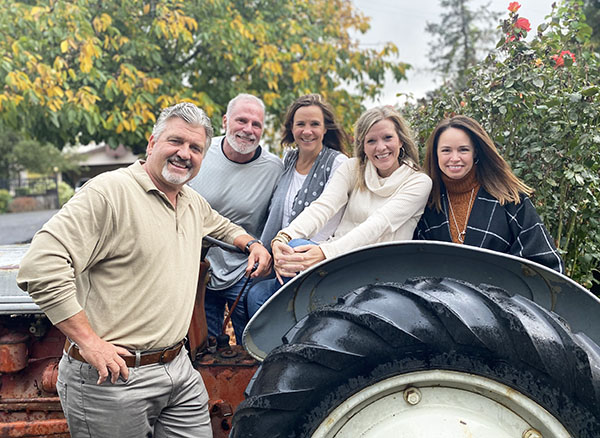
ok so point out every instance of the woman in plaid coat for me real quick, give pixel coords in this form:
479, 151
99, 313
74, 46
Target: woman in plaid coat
477, 200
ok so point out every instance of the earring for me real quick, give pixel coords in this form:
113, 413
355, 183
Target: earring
401, 154
477, 161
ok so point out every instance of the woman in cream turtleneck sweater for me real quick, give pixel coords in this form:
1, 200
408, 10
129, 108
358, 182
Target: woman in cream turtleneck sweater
382, 189
477, 200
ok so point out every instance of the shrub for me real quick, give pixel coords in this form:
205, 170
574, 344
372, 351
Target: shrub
22, 191
4, 200
42, 186
23, 203
65, 192
540, 102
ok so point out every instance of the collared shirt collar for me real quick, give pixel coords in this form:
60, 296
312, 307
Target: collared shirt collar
143, 179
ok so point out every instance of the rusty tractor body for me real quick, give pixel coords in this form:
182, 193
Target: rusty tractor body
409, 339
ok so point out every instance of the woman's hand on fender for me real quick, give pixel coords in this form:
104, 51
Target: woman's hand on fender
289, 261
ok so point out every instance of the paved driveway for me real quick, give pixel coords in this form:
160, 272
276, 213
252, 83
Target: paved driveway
20, 227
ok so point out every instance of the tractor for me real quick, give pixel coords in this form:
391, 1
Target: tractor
404, 339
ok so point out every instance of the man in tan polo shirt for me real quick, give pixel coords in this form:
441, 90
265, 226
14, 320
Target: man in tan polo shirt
116, 271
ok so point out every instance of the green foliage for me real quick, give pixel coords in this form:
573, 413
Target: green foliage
40, 158
86, 70
543, 111
18, 153
65, 192
462, 38
592, 15
5, 199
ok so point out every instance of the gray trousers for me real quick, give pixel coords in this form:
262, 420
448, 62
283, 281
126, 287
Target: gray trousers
159, 400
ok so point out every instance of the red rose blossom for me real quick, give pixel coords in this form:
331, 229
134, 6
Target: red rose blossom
514, 6
560, 60
523, 23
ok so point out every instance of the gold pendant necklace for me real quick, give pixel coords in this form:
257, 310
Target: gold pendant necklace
461, 234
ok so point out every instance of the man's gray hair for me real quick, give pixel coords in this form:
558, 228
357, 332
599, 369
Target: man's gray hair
240, 97
189, 113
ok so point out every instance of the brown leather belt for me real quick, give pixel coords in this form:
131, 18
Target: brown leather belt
162, 356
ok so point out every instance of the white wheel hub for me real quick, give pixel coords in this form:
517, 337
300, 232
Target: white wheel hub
440, 404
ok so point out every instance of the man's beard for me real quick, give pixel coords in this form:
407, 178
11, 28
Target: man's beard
175, 178
242, 148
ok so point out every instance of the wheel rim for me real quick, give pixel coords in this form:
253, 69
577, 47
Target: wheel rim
444, 404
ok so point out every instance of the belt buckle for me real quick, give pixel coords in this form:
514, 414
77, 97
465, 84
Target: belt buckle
161, 358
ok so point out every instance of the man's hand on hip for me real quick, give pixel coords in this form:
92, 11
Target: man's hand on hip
102, 355
106, 358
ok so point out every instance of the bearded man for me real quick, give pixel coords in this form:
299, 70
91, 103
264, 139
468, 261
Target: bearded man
116, 271
237, 178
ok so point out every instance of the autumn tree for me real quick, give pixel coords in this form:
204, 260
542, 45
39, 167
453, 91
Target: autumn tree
461, 38
85, 70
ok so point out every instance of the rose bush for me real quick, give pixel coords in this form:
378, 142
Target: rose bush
539, 100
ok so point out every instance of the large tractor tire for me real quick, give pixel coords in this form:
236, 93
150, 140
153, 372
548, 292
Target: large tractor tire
430, 358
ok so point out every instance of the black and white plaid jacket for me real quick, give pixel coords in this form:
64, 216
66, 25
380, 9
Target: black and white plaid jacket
511, 228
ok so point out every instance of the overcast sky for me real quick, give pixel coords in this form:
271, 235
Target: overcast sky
403, 23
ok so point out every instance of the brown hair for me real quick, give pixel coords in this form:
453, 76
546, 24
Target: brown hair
365, 122
492, 172
335, 136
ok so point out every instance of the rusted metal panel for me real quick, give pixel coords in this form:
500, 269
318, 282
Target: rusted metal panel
198, 331
29, 406
48, 428
226, 375
13, 352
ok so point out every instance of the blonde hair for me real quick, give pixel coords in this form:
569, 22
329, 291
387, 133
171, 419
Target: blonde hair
492, 171
410, 157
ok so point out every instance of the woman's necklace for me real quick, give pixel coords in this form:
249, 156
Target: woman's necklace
461, 234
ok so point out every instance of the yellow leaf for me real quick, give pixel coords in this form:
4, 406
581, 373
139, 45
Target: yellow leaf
146, 8
270, 97
299, 73
64, 46
97, 23
296, 49
86, 64
106, 20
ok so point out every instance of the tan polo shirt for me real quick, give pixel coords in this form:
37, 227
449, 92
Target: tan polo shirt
121, 252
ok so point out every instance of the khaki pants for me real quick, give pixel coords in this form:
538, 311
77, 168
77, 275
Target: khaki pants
159, 400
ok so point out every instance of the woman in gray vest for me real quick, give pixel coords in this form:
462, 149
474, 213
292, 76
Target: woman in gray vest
318, 147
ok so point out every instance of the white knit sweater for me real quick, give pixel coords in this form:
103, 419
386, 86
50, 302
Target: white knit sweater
388, 210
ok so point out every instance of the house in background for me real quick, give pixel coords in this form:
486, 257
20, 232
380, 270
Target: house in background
95, 159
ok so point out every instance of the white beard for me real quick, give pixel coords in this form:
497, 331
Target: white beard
241, 148
175, 178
